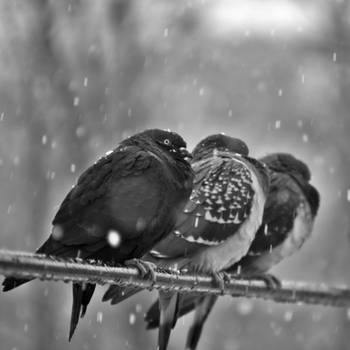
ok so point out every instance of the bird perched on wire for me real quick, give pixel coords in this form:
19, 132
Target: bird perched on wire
120, 207
289, 215
218, 222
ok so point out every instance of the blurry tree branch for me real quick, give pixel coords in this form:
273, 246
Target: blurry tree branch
26, 265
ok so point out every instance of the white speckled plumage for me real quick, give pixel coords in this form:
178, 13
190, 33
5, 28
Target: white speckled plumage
226, 253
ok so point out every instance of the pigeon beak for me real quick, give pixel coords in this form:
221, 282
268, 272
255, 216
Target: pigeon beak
299, 179
185, 154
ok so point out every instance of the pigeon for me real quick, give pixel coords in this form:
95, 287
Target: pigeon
120, 207
290, 210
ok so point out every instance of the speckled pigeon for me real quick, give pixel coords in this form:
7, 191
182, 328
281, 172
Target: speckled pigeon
289, 215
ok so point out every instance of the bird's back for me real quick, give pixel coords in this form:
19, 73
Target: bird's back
123, 193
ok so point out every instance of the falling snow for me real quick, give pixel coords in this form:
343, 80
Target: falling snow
99, 317
53, 144
245, 307
288, 316
348, 313
113, 238
305, 138
132, 319
266, 230
140, 224
57, 232
76, 101
348, 195
52, 175
72, 168
80, 131
44, 139
277, 124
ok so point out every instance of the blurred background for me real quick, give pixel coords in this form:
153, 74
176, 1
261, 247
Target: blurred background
78, 76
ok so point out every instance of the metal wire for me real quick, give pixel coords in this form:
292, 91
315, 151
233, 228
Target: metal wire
26, 265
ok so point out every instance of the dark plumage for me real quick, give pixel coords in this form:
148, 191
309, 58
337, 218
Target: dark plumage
121, 206
289, 214
218, 222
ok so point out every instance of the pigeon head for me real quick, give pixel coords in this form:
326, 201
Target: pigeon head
166, 140
285, 162
219, 142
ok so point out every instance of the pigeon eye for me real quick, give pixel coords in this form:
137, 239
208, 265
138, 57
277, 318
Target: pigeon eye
166, 142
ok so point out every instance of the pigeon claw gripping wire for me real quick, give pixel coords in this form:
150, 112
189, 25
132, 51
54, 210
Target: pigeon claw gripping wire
270, 280
220, 278
145, 268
